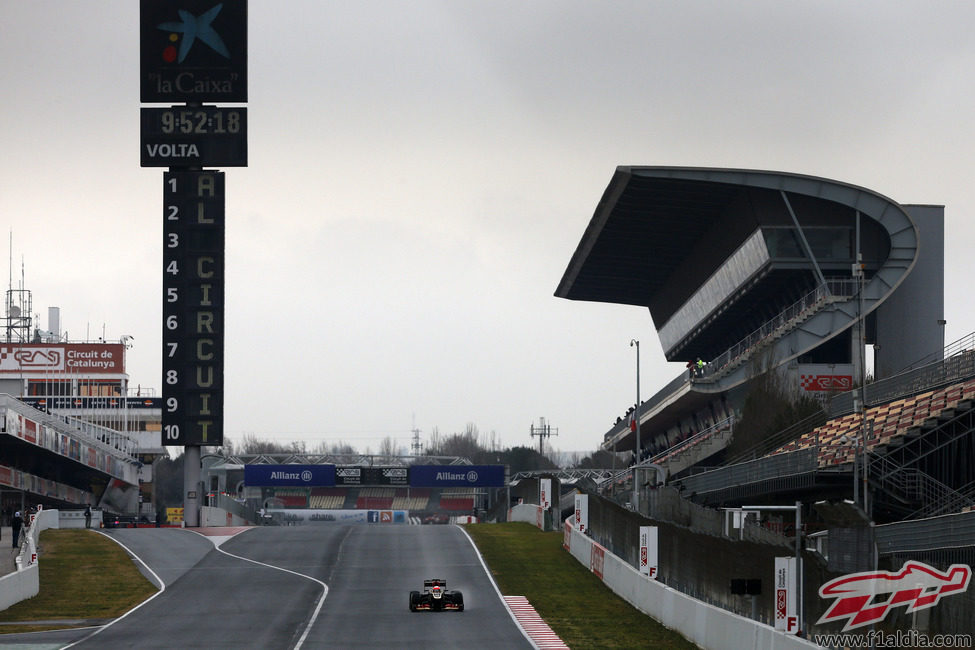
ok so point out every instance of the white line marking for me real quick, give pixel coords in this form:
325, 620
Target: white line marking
487, 572
162, 588
321, 600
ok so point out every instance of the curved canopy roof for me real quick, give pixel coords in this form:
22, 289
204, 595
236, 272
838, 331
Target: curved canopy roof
659, 233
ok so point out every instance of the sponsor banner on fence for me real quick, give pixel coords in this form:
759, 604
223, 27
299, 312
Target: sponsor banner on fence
582, 512
372, 476
545, 493
289, 475
457, 476
597, 559
648, 551
303, 516
44, 403
785, 595
348, 476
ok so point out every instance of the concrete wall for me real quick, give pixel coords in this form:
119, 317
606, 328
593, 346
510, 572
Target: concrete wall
703, 624
525, 512
907, 322
25, 582
19, 585
76, 518
210, 516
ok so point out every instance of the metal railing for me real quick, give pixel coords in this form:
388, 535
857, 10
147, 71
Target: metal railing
832, 290
948, 531
754, 471
115, 442
687, 443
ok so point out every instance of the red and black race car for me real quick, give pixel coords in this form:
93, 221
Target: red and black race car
436, 597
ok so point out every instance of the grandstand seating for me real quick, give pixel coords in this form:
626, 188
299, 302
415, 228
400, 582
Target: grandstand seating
412, 499
292, 497
327, 498
460, 500
893, 422
375, 498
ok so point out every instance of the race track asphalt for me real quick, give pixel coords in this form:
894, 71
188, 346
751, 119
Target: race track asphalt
222, 598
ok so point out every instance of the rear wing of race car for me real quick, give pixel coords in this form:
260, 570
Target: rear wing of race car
435, 581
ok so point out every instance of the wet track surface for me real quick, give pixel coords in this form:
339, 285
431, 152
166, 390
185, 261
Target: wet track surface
223, 598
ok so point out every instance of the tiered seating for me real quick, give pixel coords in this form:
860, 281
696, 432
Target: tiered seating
892, 422
292, 497
327, 498
374, 498
412, 499
458, 500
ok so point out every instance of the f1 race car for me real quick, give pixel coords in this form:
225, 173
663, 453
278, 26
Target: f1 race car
436, 597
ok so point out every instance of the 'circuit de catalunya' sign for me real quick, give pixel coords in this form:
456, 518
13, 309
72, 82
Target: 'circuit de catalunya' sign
916, 585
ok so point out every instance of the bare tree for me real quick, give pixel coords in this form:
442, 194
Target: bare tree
387, 447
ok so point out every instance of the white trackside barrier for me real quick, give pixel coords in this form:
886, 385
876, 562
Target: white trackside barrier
25, 582
706, 625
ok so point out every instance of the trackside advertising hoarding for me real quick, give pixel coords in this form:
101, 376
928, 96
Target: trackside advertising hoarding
457, 476
289, 475
786, 619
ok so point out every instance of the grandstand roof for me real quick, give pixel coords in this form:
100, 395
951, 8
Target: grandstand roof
660, 234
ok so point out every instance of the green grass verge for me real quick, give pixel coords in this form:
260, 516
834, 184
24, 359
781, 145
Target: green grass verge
574, 602
83, 575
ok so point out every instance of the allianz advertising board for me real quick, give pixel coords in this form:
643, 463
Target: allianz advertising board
457, 476
289, 475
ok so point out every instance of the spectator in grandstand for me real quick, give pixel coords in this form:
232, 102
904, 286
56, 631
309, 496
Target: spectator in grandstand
700, 367
88, 516
15, 525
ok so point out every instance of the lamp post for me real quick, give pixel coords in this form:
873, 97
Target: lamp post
636, 414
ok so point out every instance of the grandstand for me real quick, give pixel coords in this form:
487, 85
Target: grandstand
791, 279
918, 450
751, 271
74, 432
757, 271
64, 462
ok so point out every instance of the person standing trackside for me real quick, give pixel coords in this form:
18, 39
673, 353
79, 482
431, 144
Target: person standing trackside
88, 516
15, 525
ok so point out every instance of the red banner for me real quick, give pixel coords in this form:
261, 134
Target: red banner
597, 560
30, 431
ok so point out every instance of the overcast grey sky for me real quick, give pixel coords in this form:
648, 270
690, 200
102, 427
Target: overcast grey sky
421, 172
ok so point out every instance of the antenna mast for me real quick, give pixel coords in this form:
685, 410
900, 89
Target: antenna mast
543, 430
17, 316
416, 446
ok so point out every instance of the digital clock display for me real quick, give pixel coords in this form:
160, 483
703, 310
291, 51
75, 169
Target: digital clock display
191, 137
188, 121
